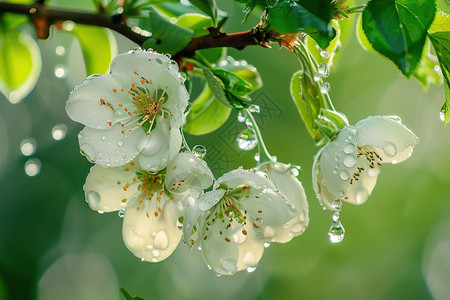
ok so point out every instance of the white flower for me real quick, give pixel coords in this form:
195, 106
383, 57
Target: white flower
347, 167
233, 221
153, 202
137, 108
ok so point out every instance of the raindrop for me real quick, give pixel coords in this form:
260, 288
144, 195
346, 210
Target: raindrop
324, 53
295, 171
100, 212
337, 232
247, 140
61, 71
161, 240
256, 157
60, 50
390, 149
266, 245
121, 213
254, 108
349, 161
250, 270
199, 151
59, 131
93, 199
142, 259
337, 204
323, 70
28, 146
324, 87
344, 175
317, 77
32, 167
119, 143
349, 148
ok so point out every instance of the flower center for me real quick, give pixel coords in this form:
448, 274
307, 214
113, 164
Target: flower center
373, 160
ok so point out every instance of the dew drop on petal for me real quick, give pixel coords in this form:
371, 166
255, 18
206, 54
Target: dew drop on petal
295, 171
199, 151
250, 259
120, 143
247, 140
121, 213
230, 265
100, 212
349, 161
349, 148
390, 150
344, 175
337, 204
297, 228
28, 146
32, 167
269, 232
337, 232
266, 245
155, 253
59, 131
250, 270
93, 199
161, 240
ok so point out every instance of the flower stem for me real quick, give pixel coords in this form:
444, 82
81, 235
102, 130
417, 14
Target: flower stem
264, 155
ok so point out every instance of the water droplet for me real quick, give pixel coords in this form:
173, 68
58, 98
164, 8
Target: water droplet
349, 148
246, 10
269, 232
32, 167
100, 212
297, 228
230, 266
161, 240
324, 53
254, 108
121, 213
60, 50
344, 175
337, 204
317, 77
241, 117
247, 140
390, 150
337, 232
349, 161
142, 259
250, 259
323, 70
199, 151
256, 157
93, 199
61, 71
324, 87
361, 196
266, 245
155, 253
28, 146
119, 143
59, 131
394, 161
295, 171
250, 270
68, 25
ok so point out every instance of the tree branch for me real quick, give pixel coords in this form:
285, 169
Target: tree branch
43, 17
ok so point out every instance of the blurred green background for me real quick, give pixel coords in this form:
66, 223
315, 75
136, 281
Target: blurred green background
397, 245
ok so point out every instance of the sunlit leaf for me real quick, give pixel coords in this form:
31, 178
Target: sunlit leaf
209, 7
334, 46
195, 22
20, 64
98, 46
397, 29
425, 72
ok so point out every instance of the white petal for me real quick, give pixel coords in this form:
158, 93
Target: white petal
240, 177
187, 171
104, 188
111, 147
149, 237
334, 166
393, 141
160, 146
85, 103
291, 187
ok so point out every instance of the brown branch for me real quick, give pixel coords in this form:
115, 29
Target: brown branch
43, 17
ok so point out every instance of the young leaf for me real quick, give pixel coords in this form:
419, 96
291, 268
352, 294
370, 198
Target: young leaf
128, 296
195, 22
334, 46
233, 83
397, 29
209, 7
425, 72
207, 114
97, 58
20, 64
310, 16
166, 36
308, 103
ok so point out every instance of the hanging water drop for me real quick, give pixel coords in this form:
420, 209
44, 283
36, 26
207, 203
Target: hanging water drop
256, 157
247, 140
295, 170
390, 150
121, 213
324, 87
28, 146
325, 53
32, 167
317, 77
323, 70
254, 108
59, 131
337, 204
337, 232
266, 245
93, 199
199, 151
250, 269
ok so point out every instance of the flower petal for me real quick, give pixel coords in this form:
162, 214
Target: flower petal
93, 103
249, 177
282, 176
113, 147
150, 237
187, 171
393, 140
161, 146
104, 188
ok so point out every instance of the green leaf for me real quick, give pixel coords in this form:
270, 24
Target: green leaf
443, 6
425, 72
20, 64
166, 36
233, 83
242, 69
334, 46
195, 22
397, 29
441, 22
309, 16
207, 114
361, 36
128, 296
209, 7
96, 59
213, 55
304, 95
441, 43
